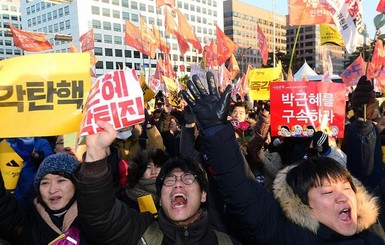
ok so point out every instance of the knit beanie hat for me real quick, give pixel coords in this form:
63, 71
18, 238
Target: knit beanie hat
59, 163
321, 142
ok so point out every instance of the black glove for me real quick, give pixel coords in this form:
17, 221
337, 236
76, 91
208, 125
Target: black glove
209, 109
188, 115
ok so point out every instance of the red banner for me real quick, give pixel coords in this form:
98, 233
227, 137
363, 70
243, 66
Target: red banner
298, 109
263, 46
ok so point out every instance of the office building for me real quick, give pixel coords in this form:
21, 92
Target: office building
9, 14
240, 24
107, 18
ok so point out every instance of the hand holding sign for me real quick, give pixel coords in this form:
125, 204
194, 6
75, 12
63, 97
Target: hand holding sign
117, 98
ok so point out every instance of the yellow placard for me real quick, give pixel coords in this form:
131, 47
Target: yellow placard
146, 204
259, 81
148, 94
330, 35
10, 165
172, 89
43, 94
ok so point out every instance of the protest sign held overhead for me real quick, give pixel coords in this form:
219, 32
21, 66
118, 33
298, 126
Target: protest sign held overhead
299, 108
115, 97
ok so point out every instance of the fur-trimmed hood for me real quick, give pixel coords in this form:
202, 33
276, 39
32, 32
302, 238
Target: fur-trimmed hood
300, 214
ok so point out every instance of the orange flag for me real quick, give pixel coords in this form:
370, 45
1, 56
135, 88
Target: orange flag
263, 46
31, 42
246, 79
169, 70
87, 40
226, 47
378, 57
170, 3
171, 27
187, 31
147, 33
233, 67
316, 12
73, 48
162, 45
159, 70
133, 38
225, 77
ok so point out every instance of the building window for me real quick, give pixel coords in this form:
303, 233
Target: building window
98, 37
99, 65
108, 52
95, 10
117, 27
96, 24
134, 5
125, 3
117, 40
106, 26
106, 12
116, 14
119, 65
115, 2
98, 51
127, 53
142, 7
118, 53
109, 65
107, 38
134, 18
125, 16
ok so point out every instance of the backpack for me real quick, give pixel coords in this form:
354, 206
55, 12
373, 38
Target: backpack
154, 236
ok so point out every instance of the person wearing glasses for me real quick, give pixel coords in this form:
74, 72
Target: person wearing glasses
181, 184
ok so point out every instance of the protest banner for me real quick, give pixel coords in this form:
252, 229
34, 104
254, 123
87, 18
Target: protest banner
43, 94
298, 109
115, 97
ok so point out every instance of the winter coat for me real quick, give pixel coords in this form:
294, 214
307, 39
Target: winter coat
33, 226
364, 155
107, 220
261, 219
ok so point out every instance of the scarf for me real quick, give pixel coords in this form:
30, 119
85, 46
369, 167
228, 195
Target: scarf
142, 188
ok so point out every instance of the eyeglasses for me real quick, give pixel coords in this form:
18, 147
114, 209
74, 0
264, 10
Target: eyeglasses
171, 179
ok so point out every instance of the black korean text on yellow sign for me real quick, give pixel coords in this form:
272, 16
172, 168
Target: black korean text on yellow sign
43, 94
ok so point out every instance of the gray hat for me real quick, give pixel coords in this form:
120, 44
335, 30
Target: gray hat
60, 163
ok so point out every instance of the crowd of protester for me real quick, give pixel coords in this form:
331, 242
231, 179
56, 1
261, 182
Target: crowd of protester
214, 173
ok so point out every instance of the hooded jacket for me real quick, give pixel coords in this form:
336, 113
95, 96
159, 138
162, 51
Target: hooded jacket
262, 219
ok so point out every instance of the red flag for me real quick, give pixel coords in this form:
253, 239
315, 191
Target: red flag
381, 6
133, 39
187, 31
262, 42
316, 12
378, 57
353, 73
170, 3
226, 47
233, 67
182, 67
211, 55
31, 42
87, 41
182, 43
162, 45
